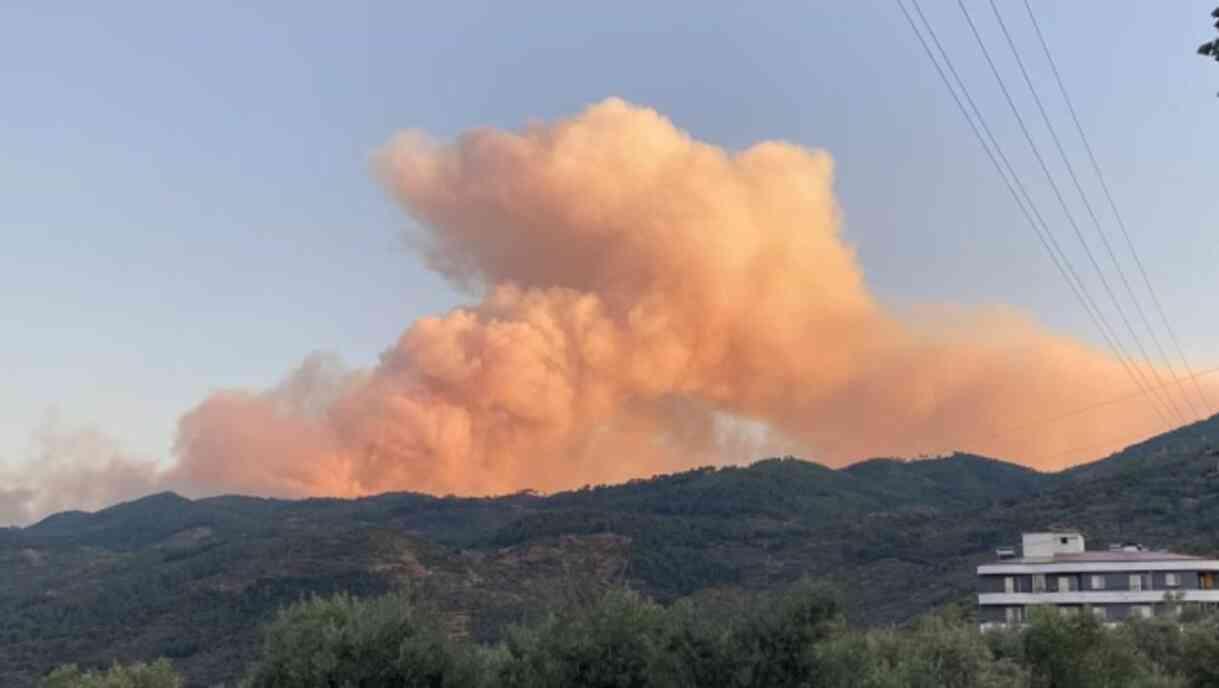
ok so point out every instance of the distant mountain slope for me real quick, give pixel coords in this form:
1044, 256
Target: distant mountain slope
1187, 441
191, 579
960, 479
793, 487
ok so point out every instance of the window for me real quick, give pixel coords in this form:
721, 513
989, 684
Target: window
1136, 581
1009, 584
1015, 615
1141, 611
1100, 613
1171, 580
1064, 584
1098, 582
1039, 582
1206, 581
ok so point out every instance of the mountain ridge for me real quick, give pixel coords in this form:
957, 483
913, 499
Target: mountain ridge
191, 579
61, 523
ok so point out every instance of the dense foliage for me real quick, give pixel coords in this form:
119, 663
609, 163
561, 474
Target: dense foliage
340, 641
793, 639
192, 580
159, 674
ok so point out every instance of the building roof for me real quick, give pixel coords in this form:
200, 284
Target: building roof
1103, 556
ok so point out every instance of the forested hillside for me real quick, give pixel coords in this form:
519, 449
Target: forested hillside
192, 579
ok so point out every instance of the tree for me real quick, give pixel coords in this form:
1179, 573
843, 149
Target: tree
939, 651
159, 674
1211, 48
339, 642
1159, 640
775, 647
614, 643
1201, 654
699, 641
1077, 651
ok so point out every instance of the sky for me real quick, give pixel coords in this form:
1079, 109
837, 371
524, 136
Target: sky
186, 201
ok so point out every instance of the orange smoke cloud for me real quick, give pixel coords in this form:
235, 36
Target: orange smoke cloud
642, 293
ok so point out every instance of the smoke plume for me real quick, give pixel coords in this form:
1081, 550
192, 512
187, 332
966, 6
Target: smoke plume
72, 468
644, 302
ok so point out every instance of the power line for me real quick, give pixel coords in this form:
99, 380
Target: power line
1016, 188
1065, 207
1058, 195
1040, 227
1110, 442
1086, 447
1095, 220
1121, 222
1133, 439
1050, 420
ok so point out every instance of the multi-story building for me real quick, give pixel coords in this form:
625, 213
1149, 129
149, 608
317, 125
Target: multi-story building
1117, 583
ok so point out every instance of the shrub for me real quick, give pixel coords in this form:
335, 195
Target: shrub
775, 646
1077, 651
1160, 641
625, 641
944, 651
342, 641
699, 642
615, 643
1200, 658
159, 674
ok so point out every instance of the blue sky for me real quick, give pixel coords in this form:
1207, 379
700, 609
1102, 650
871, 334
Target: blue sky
185, 202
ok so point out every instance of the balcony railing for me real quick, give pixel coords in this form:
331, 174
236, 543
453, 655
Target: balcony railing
1097, 597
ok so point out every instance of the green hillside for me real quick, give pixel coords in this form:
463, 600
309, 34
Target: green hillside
191, 579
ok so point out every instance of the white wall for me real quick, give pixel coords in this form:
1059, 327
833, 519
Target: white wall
1046, 545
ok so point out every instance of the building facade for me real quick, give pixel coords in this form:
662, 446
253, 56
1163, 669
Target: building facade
1123, 581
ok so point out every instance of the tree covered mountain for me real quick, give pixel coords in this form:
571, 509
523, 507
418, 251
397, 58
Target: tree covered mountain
192, 579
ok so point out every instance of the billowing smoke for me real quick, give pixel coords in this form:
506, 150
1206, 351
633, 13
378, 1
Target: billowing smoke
647, 302
72, 468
